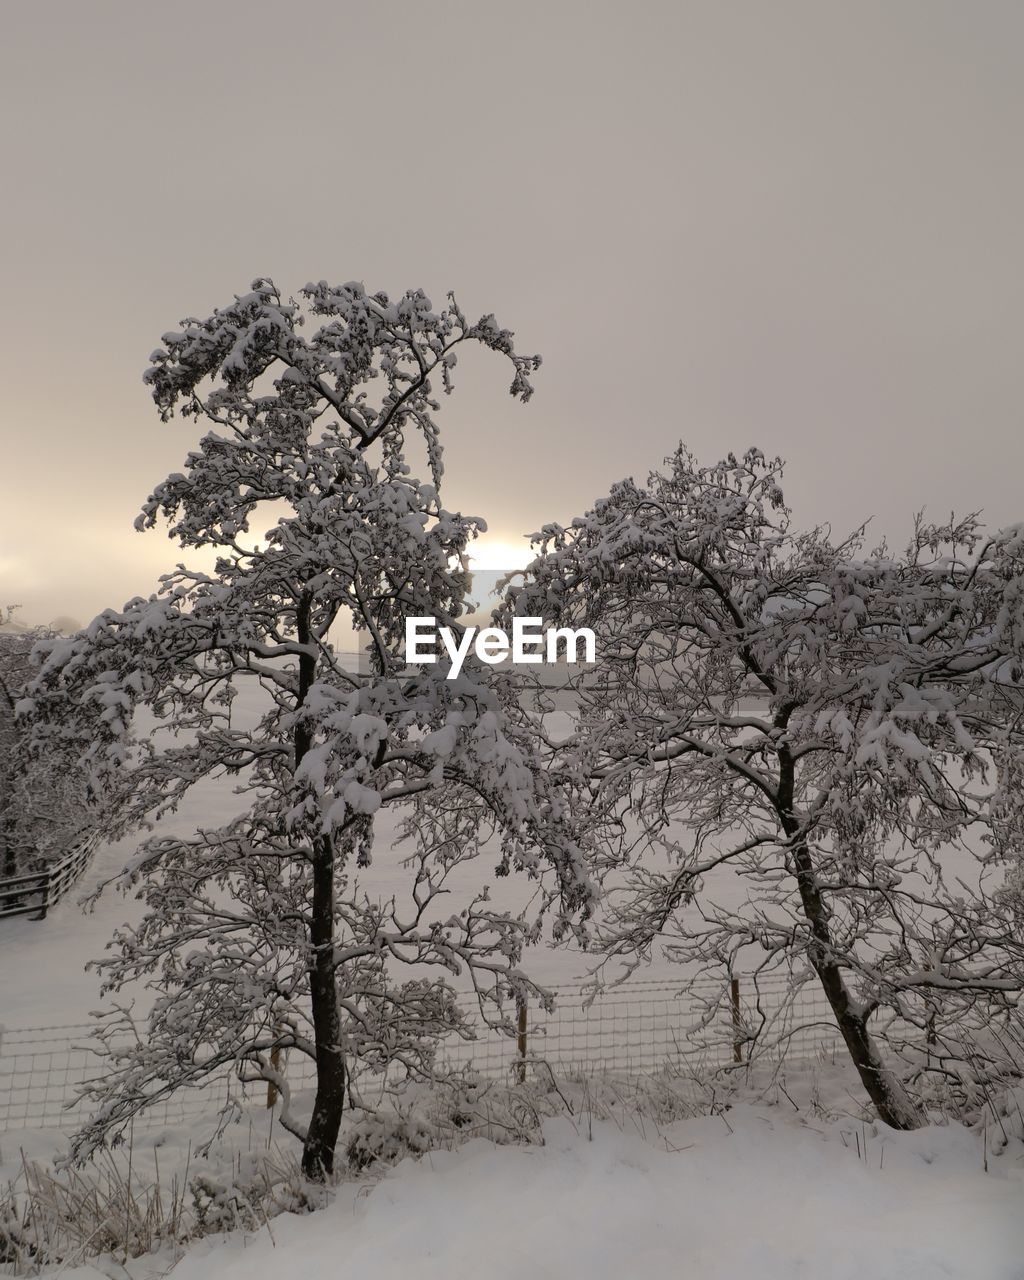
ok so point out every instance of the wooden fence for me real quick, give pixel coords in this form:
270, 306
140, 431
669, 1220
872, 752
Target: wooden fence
37, 891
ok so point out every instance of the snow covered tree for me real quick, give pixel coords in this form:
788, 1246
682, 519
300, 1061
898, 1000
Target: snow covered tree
840, 731
259, 935
43, 804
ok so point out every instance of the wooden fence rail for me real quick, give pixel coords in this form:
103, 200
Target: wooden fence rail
37, 891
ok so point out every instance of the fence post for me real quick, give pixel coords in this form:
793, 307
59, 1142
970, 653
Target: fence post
737, 1022
521, 1039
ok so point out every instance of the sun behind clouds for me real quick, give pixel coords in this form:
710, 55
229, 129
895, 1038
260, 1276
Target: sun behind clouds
497, 552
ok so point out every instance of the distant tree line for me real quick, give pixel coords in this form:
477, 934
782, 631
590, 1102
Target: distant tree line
42, 808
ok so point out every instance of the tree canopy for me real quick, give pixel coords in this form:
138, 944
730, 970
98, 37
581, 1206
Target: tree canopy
263, 924
824, 721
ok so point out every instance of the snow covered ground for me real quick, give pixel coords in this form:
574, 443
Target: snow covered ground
752, 1194
755, 1198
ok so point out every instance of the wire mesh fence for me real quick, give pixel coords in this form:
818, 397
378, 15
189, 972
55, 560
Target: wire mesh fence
644, 1027
635, 1029
43, 1069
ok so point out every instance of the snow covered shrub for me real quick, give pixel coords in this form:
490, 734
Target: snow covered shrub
62, 1218
259, 935
832, 726
1005, 1120
258, 1189
52, 1219
462, 1102
384, 1138
18, 1249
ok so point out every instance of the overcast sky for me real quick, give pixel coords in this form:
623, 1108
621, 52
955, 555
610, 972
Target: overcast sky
792, 225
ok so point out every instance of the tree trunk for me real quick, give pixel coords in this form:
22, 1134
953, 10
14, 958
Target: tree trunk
322, 1136
328, 1105
891, 1100
10, 857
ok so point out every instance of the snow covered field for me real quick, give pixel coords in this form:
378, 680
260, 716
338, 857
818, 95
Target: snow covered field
49, 957
756, 1193
750, 1198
